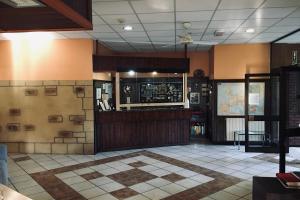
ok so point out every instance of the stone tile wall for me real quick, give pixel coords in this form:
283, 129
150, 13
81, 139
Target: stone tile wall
47, 116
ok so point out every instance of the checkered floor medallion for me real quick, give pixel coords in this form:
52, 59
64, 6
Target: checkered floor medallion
136, 176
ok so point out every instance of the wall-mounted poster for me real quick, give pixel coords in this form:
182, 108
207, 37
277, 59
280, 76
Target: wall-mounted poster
194, 98
231, 99
256, 98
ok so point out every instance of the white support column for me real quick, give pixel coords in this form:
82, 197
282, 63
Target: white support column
185, 90
117, 91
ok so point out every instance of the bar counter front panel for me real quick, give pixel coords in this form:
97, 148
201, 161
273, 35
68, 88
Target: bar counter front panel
139, 129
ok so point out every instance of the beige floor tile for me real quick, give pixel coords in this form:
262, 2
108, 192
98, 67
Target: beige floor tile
224, 196
113, 186
158, 182
101, 181
187, 183
92, 192
82, 186
156, 194
172, 188
105, 197
142, 187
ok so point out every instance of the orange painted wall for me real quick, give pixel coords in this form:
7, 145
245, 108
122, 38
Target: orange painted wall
198, 60
233, 61
46, 60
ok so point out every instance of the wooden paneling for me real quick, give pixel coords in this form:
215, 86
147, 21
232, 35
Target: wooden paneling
140, 64
282, 54
137, 129
55, 15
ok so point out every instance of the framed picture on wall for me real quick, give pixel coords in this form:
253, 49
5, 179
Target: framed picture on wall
194, 98
231, 99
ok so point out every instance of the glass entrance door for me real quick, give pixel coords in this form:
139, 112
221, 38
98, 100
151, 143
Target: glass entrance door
261, 118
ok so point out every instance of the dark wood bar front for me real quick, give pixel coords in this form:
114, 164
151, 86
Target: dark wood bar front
138, 129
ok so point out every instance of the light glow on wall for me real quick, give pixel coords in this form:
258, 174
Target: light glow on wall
28, 49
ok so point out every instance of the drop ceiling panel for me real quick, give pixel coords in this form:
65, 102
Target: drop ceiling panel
156, 18
196, 5
195, 24
235, 41
258, 29
114, 19
126, 34
282, 29
232, 14
295, 38
138, 39
259, 22
296, 13
119, 28
160, 26
269, 35
289, 22
75, 34
225, 24
194, 16
281, 3
97, 20
108, 8
161, 33
153, 6
239, 36
102, 28
240, 4
106, 36
273, 12
163, 39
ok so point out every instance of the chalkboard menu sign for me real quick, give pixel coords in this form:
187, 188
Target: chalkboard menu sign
161, 92
154, 90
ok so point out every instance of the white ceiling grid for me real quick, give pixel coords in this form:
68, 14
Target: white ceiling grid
158, 22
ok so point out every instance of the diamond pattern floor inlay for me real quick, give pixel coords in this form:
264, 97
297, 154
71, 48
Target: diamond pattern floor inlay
180, 172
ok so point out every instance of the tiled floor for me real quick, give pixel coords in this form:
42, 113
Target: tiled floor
178, 172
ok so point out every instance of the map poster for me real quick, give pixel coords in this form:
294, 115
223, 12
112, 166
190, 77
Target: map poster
256, 98
231, 99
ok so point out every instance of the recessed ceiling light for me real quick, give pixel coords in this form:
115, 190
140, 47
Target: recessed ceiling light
128, 28
154, 73
250, 30
131, 73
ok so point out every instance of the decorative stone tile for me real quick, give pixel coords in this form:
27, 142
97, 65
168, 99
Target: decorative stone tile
55, 118
88, 104
124, 193
142, 187
88, 91
88, 149
66, 82
13, 127
59, 148
81, 140
17, 83
15, 112
89, 126
132, 177
26, 148
50, 91
58, 140
51, 82
137, 164
29, 127
34, 83
42, 148
13, 147
156, 194
92, 175
89, 136
79, 91
70, 140
79, 134
84, 82
113, 186
173, 177
75, 148
89, 114
4, 83
31, 92
77, 119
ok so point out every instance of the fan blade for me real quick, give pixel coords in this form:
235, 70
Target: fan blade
205, 42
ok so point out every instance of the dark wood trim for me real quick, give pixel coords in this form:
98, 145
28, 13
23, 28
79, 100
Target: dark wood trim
140, 64
69, 13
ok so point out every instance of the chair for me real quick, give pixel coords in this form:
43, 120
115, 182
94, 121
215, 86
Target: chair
3, 164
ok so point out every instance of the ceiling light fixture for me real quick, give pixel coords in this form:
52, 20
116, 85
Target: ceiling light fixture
128, 28
154, 72
250, 30
131, 73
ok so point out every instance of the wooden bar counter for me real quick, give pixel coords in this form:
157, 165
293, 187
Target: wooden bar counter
138, 129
